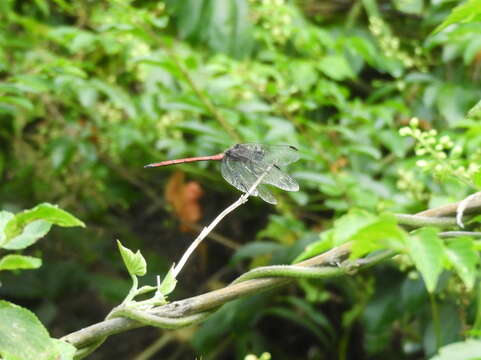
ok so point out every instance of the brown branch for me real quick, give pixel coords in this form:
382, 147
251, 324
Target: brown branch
450, 209
212, 300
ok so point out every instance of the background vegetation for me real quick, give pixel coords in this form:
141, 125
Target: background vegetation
373, 98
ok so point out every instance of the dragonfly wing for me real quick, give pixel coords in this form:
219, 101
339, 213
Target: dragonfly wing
275, 176
280, 179
266, 195
268, 154
236, 174
280, 154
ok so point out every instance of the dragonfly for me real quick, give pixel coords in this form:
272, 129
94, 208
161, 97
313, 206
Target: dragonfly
243, 164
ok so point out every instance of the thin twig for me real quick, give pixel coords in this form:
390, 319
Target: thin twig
205, 231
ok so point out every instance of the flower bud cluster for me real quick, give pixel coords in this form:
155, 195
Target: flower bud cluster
440, 156
391, 44
275, 18
409, 184
264, 356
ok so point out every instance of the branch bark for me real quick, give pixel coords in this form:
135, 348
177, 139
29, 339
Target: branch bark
178, 310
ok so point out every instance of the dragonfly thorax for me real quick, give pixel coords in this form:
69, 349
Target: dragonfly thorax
242, 153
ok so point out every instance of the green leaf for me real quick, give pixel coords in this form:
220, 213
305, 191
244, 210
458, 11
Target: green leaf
47, 212
168, 284
345, 228
31, 234
336, 67
135, 263
325, 243
66, 350
471, 51
5, 217
13, 262
463, 350
462, 254
22, 335
469, 12
409, 6
427, 252
382, 233
476, 181
474, 114
17, 101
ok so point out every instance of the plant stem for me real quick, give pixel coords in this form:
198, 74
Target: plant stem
153, 348
418, 221
436, 324
205, 231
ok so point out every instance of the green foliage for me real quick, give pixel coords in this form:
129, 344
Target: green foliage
27, 339
27, 227
468, 12
426, 250
135, 263
463, 256
12, 262
367, 231
21, 230
91, 91
168, 283
444, 158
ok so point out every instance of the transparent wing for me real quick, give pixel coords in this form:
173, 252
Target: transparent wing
266, 195
280, 179
280, 154
275, 176
242, 174
270, 154
238, 175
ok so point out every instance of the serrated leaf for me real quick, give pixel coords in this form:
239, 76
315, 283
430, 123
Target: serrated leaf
345, 228
382, 233
30, 234
462, 254
135, 263
47, 212
427, 252
14, 262
169, 283
22, 335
